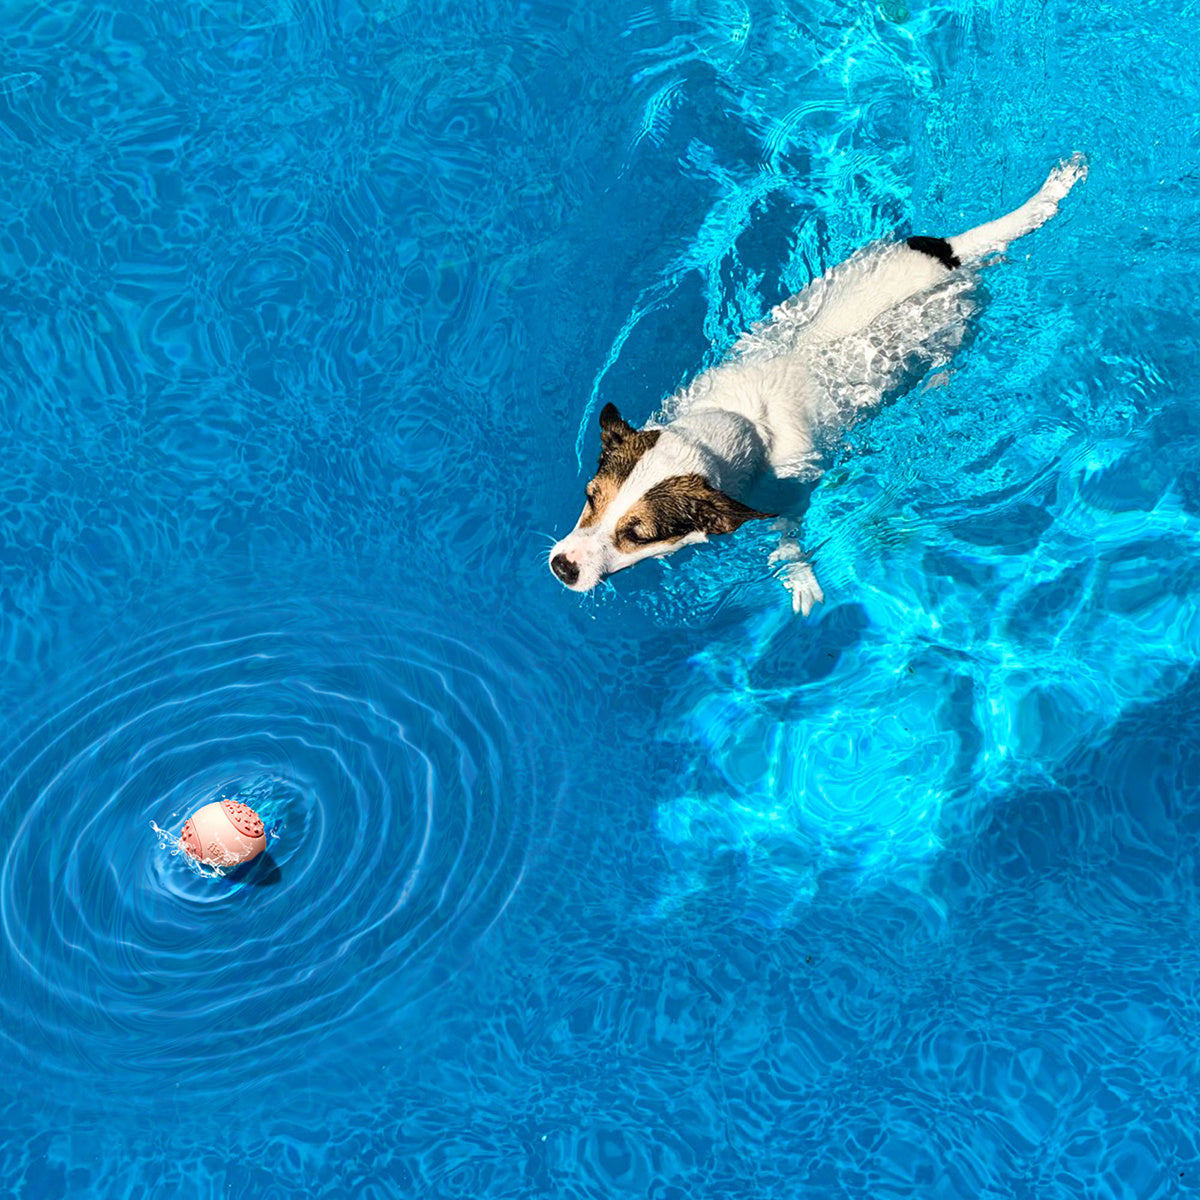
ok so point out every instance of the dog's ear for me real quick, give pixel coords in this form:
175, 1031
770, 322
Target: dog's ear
718, 513
614, 429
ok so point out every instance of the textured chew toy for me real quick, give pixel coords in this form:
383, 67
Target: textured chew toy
224, 834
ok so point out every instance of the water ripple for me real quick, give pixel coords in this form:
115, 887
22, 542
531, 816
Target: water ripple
405, 812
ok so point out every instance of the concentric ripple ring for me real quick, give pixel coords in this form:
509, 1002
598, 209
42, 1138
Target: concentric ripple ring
404, 806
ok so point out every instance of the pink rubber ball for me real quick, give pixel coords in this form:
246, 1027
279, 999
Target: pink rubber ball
224, 834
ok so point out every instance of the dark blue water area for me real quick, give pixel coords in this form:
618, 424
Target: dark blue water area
308, 309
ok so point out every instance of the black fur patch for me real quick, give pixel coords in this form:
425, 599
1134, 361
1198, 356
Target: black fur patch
937, 248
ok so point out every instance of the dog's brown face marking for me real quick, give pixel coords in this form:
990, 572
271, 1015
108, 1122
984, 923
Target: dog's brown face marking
676, 507
670, 510
621, 446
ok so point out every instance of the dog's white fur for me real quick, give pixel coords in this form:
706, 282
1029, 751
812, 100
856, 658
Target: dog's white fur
791, 384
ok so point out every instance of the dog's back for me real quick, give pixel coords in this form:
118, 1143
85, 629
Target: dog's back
863, 331
866, 330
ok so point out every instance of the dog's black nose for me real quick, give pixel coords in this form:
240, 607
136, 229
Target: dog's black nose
565, 569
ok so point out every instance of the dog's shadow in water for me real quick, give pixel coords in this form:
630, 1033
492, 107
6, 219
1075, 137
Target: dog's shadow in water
787, 498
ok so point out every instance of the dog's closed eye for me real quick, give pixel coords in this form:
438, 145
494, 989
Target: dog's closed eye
636, 534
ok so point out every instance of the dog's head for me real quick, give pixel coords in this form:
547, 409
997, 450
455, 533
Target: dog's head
650, 496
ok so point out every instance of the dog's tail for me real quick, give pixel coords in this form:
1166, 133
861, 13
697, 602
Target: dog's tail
995, 236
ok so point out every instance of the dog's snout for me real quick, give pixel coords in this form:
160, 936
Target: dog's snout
565, 569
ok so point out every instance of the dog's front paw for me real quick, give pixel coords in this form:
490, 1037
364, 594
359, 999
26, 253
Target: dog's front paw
800, 579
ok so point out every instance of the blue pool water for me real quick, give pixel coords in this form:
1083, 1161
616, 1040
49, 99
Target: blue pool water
308, 307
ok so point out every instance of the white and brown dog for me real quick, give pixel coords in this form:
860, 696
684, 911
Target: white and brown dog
866, 330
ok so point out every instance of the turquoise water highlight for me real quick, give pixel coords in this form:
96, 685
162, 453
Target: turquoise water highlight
308, 310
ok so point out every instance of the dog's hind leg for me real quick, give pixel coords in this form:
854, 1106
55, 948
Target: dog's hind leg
994, 236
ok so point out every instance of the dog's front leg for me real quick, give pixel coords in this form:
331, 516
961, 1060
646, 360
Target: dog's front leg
796, 574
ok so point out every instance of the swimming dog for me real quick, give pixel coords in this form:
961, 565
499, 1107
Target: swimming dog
863, 332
